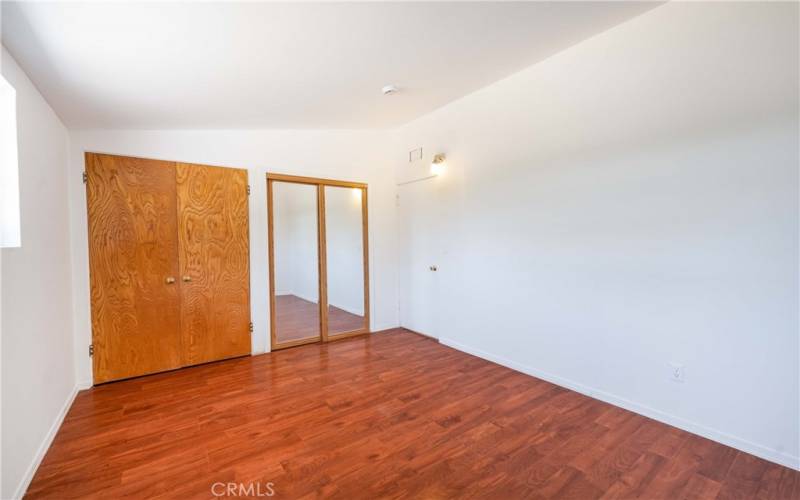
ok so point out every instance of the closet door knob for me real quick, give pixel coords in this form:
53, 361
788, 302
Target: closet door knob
187, 279
170, 280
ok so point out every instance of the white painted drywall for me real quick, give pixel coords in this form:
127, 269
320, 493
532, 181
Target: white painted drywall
96, 61
38, 378
348, 155
629, 202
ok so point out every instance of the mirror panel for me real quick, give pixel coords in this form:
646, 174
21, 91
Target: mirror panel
344, 247
296, 268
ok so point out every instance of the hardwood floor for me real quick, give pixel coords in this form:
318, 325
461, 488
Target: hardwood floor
384, 415
299, 319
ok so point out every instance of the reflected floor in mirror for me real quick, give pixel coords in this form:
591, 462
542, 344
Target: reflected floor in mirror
299, 319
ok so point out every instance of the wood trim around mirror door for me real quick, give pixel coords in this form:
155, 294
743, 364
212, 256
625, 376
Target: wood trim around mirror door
297, 179
321, 257
273, 331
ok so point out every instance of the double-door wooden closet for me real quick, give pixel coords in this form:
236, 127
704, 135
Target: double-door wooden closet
169, 264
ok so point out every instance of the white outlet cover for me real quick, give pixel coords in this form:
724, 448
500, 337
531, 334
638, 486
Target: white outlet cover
676, 372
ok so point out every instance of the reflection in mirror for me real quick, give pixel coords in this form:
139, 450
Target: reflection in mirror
294, 208
345, 259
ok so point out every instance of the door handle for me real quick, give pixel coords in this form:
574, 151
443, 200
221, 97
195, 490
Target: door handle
187, 279
169, 280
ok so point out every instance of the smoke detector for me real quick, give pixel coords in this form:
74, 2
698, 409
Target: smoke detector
389, 89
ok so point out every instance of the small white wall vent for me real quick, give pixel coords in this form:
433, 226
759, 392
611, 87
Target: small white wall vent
414, 155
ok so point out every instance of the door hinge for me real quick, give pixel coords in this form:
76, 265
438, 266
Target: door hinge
251, 327
91, 350
85, 177
248, 189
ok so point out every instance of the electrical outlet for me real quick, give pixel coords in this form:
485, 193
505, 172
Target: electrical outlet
676, 372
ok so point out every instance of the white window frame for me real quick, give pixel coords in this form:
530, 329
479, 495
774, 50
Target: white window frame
10, 236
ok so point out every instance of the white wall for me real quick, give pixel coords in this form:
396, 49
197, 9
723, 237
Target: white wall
347, 155
629, 202
38, 378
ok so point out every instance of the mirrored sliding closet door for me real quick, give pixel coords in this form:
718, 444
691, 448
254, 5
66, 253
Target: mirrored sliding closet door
296, 305
344, 254
318, 256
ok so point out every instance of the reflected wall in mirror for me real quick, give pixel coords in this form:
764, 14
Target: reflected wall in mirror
344, 245
296, 264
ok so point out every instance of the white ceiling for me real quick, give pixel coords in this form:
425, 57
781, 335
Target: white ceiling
282, 65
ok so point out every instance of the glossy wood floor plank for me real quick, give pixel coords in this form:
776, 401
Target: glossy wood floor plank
389, 415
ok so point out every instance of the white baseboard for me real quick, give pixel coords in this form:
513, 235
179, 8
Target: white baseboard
22, 487
423, 334
380, 328
715, 435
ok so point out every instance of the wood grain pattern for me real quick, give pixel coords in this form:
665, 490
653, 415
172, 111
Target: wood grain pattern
389, 415
314, 180
132, 250
365, 249
322, 260
214, 251
273, 337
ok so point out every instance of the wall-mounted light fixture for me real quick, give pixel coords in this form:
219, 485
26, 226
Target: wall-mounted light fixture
438, 164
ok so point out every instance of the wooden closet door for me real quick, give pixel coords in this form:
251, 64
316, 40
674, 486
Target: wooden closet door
214, 254
133, 256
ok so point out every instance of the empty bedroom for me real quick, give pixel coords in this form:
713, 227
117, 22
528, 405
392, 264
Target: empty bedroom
424, 250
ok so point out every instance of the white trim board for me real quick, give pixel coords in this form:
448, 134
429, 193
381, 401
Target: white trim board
666, 418
383, 328
22, 487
